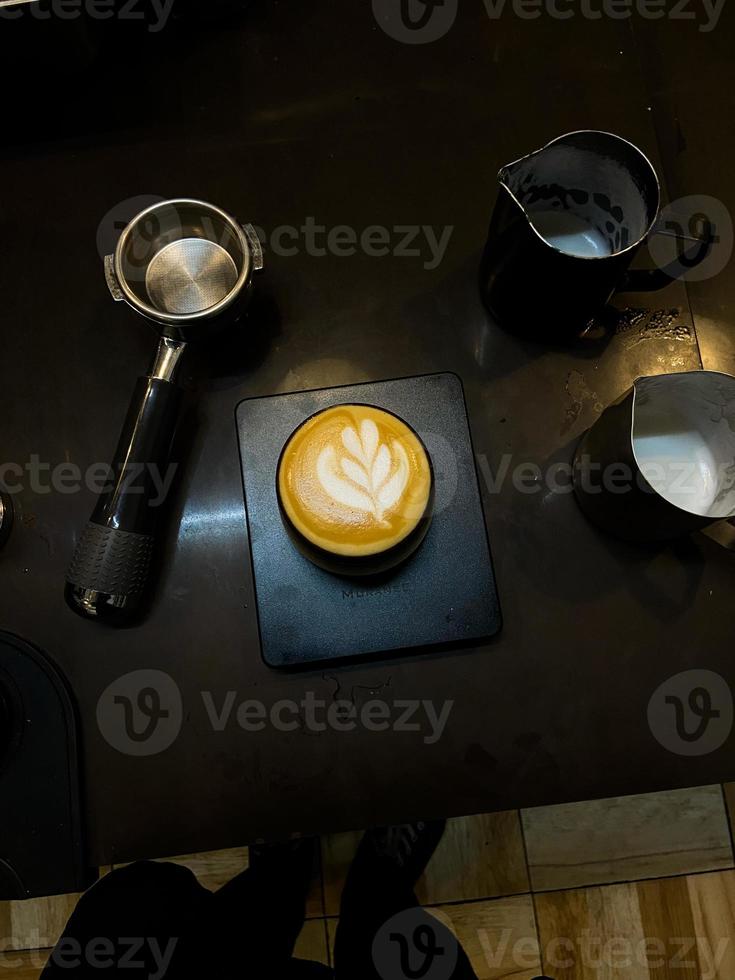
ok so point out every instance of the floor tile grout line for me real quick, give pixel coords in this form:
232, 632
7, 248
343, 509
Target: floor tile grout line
729, 816
475, 901
524, 843
536, 921
323, 887
637, 857
729, 865
534, 905
25, 952
635, 881
325, 930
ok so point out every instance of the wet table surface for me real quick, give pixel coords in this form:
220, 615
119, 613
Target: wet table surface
296, 116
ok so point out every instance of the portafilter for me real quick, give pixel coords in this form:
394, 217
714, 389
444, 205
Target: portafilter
187, 266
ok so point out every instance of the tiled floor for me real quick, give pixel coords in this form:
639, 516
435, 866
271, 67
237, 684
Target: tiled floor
633, 888
627, 839
666, 927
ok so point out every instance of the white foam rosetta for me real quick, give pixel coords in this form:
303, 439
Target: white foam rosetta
369, 477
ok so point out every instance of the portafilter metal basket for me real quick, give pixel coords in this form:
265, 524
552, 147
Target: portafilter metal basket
187, 266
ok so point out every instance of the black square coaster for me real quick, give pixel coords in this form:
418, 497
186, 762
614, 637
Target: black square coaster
444, 594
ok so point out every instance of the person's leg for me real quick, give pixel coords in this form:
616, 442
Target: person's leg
263, 910
155, 920
383, 933
140, 920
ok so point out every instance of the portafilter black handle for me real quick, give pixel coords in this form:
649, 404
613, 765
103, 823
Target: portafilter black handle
108, 576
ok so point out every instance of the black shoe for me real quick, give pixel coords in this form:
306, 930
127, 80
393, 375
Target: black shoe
407, 848
295, 861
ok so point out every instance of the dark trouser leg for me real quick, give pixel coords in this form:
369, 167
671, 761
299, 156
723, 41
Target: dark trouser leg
383, 933
276, 910
153, 921
139, 921
258, 906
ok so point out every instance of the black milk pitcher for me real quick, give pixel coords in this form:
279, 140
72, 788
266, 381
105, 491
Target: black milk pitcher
568, 221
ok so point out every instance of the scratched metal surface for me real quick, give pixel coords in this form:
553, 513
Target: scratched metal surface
311, 110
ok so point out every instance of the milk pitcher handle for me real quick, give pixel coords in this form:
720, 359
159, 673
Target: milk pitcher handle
694, 251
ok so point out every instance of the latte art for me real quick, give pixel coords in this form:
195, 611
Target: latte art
362, 479
355, 481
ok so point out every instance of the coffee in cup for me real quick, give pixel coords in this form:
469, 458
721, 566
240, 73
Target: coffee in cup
356, 486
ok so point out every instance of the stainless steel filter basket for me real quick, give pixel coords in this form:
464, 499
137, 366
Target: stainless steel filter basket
182, 263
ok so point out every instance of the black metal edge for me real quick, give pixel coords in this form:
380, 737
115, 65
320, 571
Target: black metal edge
84, 874
482, 506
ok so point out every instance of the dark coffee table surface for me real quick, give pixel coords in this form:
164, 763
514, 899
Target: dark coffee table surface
312, 111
